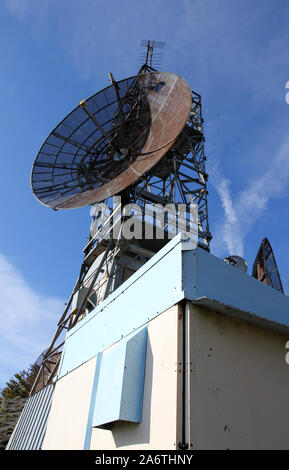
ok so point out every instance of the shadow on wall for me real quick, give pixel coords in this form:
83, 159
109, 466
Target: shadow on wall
126, 433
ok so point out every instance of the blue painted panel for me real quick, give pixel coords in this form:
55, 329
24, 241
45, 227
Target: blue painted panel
133, 378
175, 244
119, 394
109, 390
87, 438
167, 278
208, 277
151, 290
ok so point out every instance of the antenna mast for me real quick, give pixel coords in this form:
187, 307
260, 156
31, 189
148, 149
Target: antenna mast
148, 58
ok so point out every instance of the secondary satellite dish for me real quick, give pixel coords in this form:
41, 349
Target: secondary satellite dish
110, 140
40, 358
238, 262
265, 267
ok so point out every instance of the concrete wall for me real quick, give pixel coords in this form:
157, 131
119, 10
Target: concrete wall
238, 389
239, 384
69, 415
67, 421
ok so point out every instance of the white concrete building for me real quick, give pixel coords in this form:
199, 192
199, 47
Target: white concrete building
189, 352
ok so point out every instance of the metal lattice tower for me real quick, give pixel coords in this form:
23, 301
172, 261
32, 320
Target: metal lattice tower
179, 177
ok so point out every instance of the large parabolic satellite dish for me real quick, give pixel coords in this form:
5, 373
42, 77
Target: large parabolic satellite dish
110, 140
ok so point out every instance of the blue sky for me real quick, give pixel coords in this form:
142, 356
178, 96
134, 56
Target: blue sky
56, 52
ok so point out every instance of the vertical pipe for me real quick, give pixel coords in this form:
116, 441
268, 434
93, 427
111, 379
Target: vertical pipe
184, 444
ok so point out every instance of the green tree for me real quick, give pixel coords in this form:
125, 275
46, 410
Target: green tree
20, 384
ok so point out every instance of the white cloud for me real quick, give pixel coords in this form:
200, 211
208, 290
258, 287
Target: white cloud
22, 8
231, 230
242, 210
27, 321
